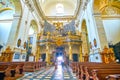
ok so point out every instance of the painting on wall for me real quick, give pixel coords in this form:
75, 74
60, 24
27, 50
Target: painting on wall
19, 43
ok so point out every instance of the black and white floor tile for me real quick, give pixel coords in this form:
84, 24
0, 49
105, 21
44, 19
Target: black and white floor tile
50, 74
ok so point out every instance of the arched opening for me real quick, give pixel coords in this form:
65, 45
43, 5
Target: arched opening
5, 25
59, 9
32, 37
7, 10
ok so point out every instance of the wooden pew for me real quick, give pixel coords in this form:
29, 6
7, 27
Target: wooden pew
29, 67
20, 65
33, 66
105, 69
18, 69
3, 67
9, 70
102, 69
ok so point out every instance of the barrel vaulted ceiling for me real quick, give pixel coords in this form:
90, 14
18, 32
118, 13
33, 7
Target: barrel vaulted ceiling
49, 8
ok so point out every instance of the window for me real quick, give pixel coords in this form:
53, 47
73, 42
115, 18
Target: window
31, 31
59, 8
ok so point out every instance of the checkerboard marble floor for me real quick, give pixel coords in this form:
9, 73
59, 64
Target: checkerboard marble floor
61, 73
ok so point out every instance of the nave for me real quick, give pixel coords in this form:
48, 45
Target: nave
49, 73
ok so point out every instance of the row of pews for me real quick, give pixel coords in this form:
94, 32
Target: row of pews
14, 70
96, 71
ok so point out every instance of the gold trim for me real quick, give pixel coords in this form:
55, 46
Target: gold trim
110, 17
4, 9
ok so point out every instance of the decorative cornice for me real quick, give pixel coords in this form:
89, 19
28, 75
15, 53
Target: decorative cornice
6, 20
60, 18
96, 14
110, 17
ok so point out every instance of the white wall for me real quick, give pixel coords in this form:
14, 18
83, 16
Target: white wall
112, 29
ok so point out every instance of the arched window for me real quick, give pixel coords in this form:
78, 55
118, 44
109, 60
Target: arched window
31, 31
59, 8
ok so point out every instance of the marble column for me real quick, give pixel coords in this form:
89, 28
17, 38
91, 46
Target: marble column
12, 40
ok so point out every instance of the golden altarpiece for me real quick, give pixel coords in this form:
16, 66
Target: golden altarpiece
57, 36
107, 55
7, 55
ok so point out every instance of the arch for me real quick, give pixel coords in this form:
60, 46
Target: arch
18, 7
59, 8
4, 9
32, 37
15, 7
34, 25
